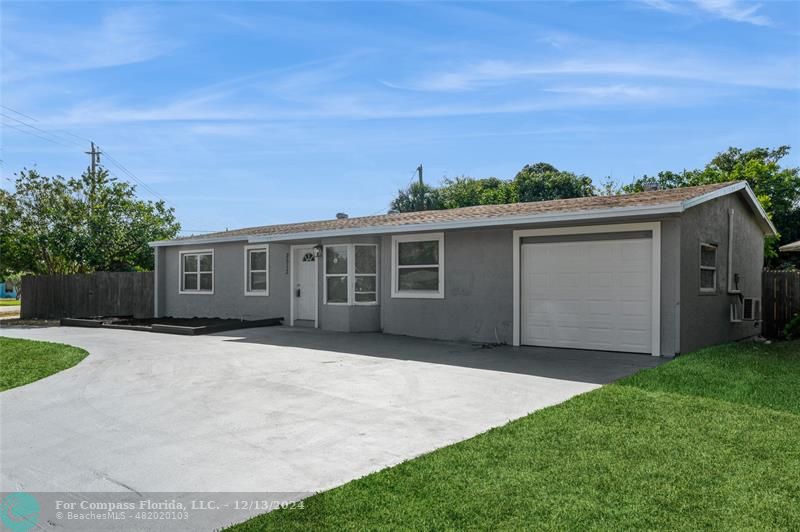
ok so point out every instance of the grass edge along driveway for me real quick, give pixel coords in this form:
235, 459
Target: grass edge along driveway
709, 440
26, 361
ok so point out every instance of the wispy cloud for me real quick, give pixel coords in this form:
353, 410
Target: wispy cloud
674, 65
733, 10
124, 36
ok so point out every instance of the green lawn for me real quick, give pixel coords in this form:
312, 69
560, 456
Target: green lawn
9, 302
710, 440
25, 361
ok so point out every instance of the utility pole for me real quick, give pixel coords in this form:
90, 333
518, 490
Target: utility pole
95, 155
421, 191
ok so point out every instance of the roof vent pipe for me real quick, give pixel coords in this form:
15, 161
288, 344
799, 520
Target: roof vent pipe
342, 216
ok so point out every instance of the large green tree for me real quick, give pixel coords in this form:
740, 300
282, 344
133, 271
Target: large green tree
534, 182
542, 182
52, 225
777, 187
417, 197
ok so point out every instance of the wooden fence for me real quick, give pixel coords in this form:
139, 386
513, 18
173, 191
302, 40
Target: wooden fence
84, 296
780, 300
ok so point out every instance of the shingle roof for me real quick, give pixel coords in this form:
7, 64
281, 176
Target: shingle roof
479, 212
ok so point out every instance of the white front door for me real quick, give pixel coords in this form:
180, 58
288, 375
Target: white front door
588, 295
304, 271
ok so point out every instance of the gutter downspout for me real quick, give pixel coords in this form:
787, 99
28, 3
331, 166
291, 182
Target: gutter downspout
731, 287
155, 283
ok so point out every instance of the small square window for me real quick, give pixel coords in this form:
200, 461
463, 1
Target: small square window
197, 272
418, 266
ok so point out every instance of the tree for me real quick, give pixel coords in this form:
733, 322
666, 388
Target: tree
53, 225
777, 188
417, 197
542, 182
467, 191
535, 182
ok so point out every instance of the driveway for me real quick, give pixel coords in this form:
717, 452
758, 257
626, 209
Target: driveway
266, 410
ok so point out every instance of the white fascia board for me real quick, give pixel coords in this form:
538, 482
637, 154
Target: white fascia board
585, 215
766, 223
193, 241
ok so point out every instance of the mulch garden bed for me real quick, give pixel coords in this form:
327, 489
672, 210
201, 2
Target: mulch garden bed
169, 325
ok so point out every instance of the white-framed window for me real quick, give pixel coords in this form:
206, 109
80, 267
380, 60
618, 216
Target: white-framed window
418, 266
256, 270
365, 280
708, 268
351, 274
337, 274
197, 272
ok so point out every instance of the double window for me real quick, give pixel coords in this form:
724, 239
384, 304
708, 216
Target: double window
418, 266
256, 270
708, 268
197, 272
351, 274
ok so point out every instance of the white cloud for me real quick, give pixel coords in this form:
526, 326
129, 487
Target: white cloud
733, 10
673, 65
123, 37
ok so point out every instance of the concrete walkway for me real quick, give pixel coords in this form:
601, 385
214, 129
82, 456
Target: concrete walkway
267, 410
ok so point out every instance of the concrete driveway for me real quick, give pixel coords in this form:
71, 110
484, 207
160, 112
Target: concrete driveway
267, 410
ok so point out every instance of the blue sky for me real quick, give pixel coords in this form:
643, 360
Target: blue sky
253, 113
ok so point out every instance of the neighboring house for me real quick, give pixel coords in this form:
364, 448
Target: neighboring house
7, 291
791, 247
659, 272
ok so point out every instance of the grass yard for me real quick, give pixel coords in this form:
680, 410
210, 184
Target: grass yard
25, 361
9, 302
710, 440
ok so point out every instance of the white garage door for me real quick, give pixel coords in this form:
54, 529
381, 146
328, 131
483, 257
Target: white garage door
588, 294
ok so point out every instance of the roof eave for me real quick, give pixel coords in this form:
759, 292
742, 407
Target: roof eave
619, 212
763, 219
193, 241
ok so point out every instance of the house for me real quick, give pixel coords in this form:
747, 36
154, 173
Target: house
659, 272
7, 290
790, 247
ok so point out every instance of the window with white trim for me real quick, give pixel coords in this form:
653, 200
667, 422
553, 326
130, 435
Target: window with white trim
365, 284
197, 272
256, 274
708, 268
351, 274
418, 266
336, 274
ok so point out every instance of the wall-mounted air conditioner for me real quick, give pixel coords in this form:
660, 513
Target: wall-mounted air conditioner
751, 309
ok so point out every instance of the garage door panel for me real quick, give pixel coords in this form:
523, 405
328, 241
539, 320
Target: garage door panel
588, 295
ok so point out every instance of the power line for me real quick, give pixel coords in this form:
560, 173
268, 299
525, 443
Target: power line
61, 137
58, 140
17, 112
12, 126
134, 176
27, 125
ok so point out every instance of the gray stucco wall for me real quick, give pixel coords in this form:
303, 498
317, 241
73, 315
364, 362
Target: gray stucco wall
478, 291
670, 285
228, 299
705, 318
478, 302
